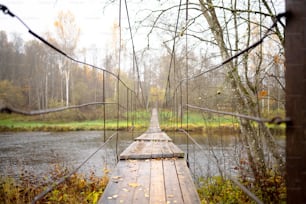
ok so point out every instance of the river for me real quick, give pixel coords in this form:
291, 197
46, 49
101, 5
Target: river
37, 152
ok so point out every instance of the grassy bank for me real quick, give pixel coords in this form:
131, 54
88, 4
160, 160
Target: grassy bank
14, 122
137, 121
212, 123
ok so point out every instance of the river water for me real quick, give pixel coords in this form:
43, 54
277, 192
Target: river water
37, 152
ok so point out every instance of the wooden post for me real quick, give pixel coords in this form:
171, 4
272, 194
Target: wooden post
295, 48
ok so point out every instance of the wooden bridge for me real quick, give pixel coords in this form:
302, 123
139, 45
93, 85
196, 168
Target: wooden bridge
151, 170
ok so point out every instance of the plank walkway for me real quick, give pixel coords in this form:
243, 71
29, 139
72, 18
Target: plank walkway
151, 170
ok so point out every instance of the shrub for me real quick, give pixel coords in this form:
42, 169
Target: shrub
77, 189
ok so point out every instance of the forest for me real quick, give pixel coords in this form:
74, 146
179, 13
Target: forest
219, 55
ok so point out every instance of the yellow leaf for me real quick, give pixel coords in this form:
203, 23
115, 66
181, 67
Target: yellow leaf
56, 24
263, 93
133, 185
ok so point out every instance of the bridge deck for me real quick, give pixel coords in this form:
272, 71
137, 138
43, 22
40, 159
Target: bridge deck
151, 170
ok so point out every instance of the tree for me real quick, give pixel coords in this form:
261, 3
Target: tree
10, 94
228, 27
68, 35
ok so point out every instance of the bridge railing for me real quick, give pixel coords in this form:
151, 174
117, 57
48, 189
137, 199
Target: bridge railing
234, 97
217, 144
121, 107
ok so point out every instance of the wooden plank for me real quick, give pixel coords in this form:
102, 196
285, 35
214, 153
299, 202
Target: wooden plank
138, 150
119, 189
188, 189
172, 185
153, 149
142, 194
161, 136
132, 149
142, 137
166, 150
157, 151
177, 152
157, 187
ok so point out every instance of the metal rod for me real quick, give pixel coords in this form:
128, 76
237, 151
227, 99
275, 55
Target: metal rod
104, 117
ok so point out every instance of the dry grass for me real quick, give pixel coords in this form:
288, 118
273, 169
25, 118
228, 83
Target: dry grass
77, 189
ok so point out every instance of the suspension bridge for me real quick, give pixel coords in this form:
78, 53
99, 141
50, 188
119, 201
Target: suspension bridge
151, 170
154, 170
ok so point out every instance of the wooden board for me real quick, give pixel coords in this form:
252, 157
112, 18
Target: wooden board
157, 187
142, 193
154, 123
150, 181
188, 189
120, 187
151, 150
172, 185
160, 136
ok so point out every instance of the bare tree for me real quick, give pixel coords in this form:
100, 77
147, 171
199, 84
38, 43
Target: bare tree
68, 35
229, 27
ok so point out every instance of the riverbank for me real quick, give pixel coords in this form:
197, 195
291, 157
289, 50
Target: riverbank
18, 123
81, 189
77, 189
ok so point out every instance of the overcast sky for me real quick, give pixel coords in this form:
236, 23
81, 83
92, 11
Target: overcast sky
94, 19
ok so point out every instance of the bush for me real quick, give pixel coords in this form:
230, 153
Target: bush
220, 190
77, 189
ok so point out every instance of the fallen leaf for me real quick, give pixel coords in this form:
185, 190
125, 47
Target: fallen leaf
170, 196
133, 185
116, 177
125, 190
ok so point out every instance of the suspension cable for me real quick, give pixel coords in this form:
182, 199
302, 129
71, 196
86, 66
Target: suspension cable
134, 52
118, 84
104, 109
173, 51
64, 178
187, 81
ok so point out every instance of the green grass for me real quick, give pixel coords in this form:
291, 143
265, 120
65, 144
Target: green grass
197, 122
13, 122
